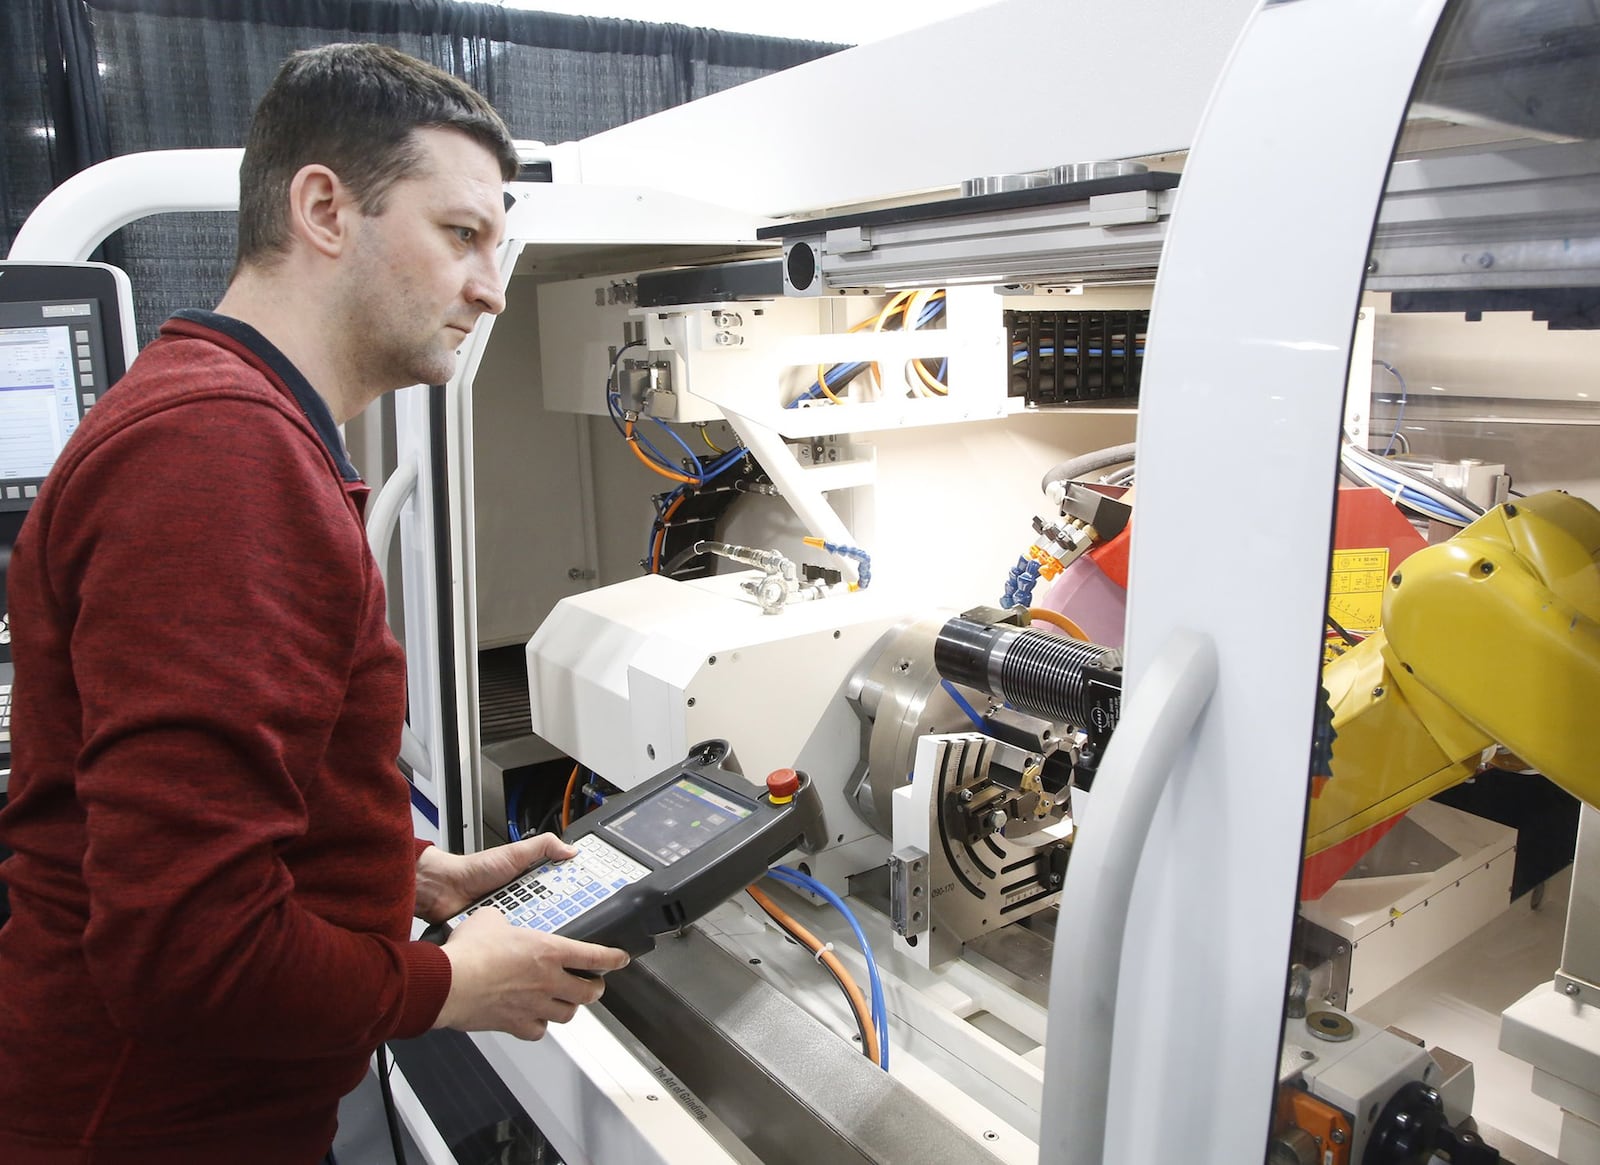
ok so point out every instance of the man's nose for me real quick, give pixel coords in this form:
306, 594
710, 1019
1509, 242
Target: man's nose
485, 289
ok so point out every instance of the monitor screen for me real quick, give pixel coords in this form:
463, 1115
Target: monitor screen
38, 399
677, 819
53, 367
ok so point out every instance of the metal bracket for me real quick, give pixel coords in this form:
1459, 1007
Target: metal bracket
909, 891
1579, 989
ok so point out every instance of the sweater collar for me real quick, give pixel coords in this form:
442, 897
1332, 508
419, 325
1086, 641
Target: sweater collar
270, 360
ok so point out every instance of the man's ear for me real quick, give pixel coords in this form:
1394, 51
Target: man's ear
320, 210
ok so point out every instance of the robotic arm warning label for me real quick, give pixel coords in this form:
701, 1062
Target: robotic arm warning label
1355, 591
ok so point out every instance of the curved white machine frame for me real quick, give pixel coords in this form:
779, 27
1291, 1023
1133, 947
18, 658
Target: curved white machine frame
1285, 175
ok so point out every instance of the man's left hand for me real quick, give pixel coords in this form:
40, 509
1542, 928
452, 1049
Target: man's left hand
447, 883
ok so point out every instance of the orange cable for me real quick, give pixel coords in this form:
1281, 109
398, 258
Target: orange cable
633, 442
661, 534
1056, 619
810, 941
566, 798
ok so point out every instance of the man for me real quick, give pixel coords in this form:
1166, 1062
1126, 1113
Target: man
214, 872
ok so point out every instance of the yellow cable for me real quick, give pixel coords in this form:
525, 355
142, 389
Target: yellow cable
822, 383
706, 437
913, 310
929, 379
895, 305
913, 313
633, 442
1056, 619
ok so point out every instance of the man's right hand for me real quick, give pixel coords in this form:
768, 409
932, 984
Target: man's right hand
509, 979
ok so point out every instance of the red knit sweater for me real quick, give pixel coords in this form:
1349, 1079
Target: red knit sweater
214, 870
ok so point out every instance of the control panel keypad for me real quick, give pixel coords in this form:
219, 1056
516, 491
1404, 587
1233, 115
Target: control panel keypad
549, 896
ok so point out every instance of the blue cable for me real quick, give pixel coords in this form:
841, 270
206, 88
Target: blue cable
701, 475
1414, 500
961, 702
1400, 418
850, 371
1022, 354
834, 377
665, 501
710, 473
682, 444
793, 877
513, 803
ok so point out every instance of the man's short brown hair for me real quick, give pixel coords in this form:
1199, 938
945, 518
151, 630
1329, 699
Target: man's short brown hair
353, 108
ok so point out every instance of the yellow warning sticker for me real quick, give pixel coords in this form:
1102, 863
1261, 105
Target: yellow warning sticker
1355, 593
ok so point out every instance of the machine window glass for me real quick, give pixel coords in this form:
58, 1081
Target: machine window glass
1460, 661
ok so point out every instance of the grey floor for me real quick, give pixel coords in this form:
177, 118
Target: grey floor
363, 1137
1455, 1002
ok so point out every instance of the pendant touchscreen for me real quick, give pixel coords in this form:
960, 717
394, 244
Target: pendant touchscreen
663, 854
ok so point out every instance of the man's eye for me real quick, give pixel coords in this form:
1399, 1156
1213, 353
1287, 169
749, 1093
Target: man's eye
465, 234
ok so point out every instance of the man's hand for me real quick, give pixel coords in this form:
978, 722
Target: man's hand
447, 883
508, 979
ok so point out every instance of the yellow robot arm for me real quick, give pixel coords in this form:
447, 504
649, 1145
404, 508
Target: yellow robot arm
1491, 638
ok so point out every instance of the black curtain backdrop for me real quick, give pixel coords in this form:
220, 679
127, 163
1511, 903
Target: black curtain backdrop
86, 80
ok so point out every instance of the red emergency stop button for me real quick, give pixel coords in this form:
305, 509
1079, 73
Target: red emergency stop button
782, 785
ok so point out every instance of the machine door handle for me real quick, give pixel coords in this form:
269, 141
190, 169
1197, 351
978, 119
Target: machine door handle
382, 520
1157, 721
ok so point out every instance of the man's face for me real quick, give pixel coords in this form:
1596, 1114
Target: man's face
422, 272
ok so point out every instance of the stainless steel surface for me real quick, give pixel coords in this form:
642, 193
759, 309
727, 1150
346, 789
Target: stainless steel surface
789, 1088
1293, 1146
896, 693
1580, 953
1408, 848
1018, 956
1089, 171
1000, 183
1327, 956
981, 883
1332, 1026
909, 891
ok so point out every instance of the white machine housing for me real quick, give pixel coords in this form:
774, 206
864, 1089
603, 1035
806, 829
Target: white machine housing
628, 677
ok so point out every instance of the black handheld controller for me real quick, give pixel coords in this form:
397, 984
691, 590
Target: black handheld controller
665, 853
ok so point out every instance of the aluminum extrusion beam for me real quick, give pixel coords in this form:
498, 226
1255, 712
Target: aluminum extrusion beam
1110, 236
792, 1090
1501, 219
